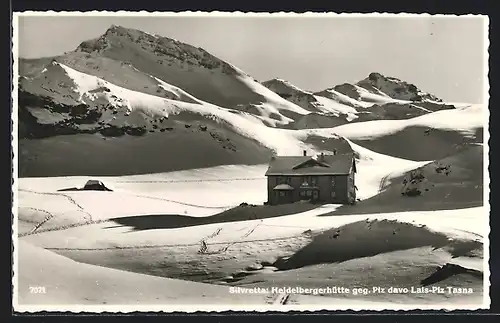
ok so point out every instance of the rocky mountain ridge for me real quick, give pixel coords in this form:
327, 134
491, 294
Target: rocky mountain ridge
128, 83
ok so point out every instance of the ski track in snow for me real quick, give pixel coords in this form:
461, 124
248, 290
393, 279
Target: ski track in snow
90, 220
70, 199
225, 243
183, 203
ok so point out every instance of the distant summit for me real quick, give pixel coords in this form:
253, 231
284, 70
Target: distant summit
127, 41
395, 88
374, 98
292, 93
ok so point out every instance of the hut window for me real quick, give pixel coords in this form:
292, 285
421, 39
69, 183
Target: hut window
283, 180
310, 181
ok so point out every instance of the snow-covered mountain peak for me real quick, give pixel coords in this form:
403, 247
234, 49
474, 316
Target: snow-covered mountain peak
119, 42
394, 88
292, 93
283, 86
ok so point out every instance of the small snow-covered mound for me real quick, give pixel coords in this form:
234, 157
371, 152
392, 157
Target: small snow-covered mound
362, 239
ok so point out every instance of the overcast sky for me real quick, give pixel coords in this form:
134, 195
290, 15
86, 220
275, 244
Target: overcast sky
444, 56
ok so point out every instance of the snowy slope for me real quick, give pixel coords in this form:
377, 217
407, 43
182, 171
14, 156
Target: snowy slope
179, 192
97, 285
274, 103
431, 136
464, 119
272, 237
330, 106
378, 97
104, 289
133, 120
126, 243
342, 98
156, 107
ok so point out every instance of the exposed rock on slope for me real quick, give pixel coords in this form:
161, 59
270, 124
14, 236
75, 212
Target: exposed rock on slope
347, 89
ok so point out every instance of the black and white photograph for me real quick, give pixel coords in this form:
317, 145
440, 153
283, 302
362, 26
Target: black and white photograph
185, 162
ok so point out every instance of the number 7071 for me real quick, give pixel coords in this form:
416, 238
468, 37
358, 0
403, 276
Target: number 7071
37, 289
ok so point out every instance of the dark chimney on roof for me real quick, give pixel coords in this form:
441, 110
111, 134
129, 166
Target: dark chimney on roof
305, 152
335, 151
